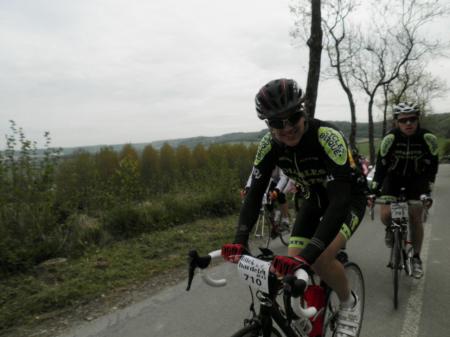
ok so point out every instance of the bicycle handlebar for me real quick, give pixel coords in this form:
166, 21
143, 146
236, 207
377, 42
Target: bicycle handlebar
202, 262
294, 285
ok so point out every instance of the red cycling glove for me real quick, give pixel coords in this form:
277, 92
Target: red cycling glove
288, 265
232, 252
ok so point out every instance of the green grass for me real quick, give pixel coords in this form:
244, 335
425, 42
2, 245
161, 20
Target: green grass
25, 297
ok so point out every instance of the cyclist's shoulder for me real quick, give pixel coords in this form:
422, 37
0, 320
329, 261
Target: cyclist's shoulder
333, 142
266, 145
430, 140
388, 141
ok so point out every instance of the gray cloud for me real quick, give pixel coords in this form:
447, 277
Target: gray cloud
114, 71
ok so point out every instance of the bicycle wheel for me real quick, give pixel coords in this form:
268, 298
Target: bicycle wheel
285, 232
262, 229
356, 281
255, 330
396, 265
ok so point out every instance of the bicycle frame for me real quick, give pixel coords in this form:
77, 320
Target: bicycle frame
266, 287
268, 225
402, 251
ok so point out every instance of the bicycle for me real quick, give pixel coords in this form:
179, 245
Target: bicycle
402, 252
269, 226
295, 318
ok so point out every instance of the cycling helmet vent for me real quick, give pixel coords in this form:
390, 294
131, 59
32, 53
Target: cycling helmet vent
406, 108
278, 99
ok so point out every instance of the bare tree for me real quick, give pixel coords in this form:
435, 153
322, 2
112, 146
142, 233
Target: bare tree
315, 53
390, 45
341, 48
414, 84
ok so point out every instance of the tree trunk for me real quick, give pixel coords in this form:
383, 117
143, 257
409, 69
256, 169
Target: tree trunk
315, 53
371, 137
353, 125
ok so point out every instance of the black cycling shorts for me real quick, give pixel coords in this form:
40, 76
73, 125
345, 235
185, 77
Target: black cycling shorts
414, 187
309, 215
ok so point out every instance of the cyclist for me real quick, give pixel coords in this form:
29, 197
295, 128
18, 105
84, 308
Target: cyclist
407, 157
315, 155
277, 188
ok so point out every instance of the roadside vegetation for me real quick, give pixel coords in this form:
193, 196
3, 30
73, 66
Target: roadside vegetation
76, 228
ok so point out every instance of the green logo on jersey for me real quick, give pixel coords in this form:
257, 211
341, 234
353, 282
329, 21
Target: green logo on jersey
334, 144
432, 143
265, 145
386, 144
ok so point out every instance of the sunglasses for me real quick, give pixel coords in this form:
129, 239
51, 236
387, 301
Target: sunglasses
282, 123
409, 120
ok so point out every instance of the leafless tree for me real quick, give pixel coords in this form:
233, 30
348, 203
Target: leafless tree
414, 84
310, 29
341, 47
394, 39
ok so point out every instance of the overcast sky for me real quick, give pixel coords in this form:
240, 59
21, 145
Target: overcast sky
118, 71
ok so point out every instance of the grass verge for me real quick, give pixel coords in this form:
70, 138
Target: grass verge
28, 299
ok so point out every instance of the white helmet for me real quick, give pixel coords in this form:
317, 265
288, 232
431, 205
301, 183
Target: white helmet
406, 108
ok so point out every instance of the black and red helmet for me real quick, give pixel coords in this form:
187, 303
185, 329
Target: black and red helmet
279, 99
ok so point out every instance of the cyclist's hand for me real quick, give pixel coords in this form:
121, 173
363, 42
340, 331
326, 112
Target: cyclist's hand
427, 200
244, 192
273, 195
371, 200
232, 252
287, 265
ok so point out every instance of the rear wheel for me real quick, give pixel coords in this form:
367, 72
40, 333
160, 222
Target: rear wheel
356, 281
255, 330
262, 228
285, 232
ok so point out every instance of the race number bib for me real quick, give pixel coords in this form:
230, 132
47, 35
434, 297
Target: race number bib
254, 272
399, 210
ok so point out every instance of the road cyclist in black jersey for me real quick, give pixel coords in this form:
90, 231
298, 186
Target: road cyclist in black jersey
315, 155
407, 157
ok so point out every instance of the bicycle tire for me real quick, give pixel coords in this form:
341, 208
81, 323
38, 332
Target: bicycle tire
396, 265
285, 241
262, 229
255, 330
356, 280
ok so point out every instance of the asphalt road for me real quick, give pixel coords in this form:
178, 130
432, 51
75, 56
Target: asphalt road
206, 312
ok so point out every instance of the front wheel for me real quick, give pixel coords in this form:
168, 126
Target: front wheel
356, 281
255, 330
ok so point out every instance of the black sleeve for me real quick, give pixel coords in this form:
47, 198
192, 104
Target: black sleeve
382, 163
264, 164
338, 191
431, 156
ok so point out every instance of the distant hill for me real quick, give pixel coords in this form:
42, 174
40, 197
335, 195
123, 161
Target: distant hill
437, 123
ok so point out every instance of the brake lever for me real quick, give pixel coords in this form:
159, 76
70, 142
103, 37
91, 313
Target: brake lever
192, 261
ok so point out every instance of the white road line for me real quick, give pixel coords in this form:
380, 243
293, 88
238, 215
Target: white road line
414, 307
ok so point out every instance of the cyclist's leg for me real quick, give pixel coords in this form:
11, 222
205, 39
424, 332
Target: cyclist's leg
389, 191
416, 227
414, 190
305, 224
327, 266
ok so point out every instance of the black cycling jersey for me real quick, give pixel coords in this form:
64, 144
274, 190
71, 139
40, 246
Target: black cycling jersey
321, 166
409, 159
